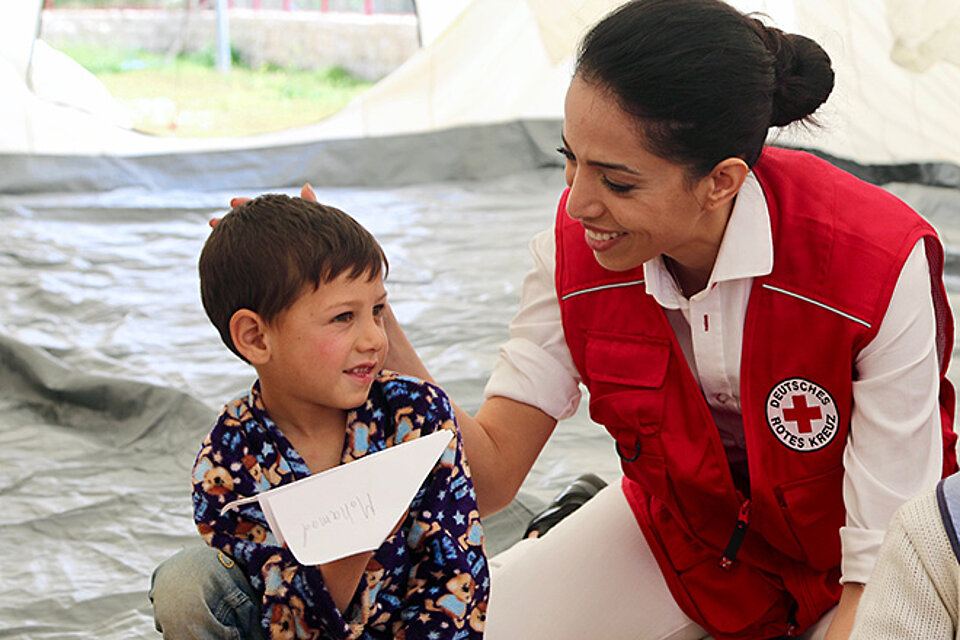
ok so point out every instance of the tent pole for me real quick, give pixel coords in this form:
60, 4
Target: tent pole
223, 38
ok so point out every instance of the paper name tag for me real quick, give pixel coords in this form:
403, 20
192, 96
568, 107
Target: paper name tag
352, 507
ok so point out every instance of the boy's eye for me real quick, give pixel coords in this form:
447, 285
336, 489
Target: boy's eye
346, 316
377, 310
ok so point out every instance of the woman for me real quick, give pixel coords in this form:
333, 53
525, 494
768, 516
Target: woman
764, 336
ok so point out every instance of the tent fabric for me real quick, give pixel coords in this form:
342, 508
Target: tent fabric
925, 33
88, 505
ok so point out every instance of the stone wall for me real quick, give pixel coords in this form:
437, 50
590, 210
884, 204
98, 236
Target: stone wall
369, 46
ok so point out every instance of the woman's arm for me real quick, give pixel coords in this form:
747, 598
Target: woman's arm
842, 622
502, 441
896, 417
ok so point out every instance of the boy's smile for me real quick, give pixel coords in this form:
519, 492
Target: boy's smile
325, 350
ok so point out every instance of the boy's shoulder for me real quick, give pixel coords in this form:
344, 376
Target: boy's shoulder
404, 393
403, 381
235, 417
240, 431
399, 408
243, 444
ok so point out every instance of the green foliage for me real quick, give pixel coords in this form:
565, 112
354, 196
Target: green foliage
186, 96
207, 57
99, 60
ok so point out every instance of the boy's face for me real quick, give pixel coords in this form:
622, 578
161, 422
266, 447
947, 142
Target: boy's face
327, 348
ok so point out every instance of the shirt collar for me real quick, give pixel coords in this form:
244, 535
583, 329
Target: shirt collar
746, 250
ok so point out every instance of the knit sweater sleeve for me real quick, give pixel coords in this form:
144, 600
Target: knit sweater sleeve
912, 592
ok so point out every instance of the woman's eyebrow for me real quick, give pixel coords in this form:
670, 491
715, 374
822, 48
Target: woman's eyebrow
605, 165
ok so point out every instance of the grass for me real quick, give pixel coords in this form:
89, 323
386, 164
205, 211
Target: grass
187, 97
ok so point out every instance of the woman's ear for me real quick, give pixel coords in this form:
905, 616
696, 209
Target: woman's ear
724, 182
247, 330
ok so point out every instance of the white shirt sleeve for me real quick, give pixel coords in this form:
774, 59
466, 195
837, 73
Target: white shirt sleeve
534, 365
894, 449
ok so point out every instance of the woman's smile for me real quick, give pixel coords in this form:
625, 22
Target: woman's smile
599, 240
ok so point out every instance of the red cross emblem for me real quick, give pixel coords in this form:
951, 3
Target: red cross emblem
802, 414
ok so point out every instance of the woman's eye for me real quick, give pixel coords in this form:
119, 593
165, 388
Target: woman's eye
346, 316
616, 187
567, 154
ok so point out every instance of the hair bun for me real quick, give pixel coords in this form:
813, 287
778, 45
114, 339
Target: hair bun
804, 75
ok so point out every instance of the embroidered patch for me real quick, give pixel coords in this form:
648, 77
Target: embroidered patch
802, 414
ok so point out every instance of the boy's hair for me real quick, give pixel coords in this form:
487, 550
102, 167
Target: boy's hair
263, 254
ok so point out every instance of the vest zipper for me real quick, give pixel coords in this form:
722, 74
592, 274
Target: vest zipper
792, 621
736, 539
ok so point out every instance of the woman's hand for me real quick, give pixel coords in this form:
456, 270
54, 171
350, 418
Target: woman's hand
401, 356
306, 193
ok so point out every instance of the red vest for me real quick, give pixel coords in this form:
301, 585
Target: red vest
839, 245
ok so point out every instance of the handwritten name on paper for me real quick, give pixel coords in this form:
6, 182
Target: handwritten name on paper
350, 508
359, 508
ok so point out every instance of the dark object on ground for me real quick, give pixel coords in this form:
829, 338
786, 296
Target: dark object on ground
566, 502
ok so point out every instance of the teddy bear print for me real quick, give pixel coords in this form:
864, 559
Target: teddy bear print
282, 625
251, 531
478, 617
473, 536
214, 479
454, 603
405, 419
298, 612
275, 577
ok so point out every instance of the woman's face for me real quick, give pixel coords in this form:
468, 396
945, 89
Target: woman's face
633, 205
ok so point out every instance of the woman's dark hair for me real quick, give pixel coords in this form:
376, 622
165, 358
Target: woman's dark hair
705, 81
263, 254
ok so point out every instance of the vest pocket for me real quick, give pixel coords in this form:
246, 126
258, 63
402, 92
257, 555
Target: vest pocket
814, 512
626, 360
625, 377
742, 600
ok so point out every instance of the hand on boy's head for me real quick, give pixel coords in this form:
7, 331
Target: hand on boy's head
306, 193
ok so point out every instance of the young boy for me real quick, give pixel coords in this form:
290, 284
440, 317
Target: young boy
295, 289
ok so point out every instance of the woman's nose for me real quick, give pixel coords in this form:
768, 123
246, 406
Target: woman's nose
582, 203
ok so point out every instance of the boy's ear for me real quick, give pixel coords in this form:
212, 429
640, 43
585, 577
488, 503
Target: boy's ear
247, 331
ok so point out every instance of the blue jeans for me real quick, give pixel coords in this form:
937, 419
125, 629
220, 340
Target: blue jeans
201, 594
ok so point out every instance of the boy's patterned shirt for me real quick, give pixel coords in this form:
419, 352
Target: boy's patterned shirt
428, 580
